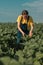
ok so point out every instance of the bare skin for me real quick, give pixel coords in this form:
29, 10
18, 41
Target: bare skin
18, 25
31, 29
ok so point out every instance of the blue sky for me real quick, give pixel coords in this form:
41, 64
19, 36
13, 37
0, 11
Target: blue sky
10, 9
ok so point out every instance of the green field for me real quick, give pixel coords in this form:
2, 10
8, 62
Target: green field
29, 51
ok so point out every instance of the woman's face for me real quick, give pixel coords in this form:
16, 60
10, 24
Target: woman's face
25, 16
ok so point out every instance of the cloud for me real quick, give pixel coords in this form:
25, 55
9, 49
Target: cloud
3, 13
7, 15
38, 5
7, 12
35, 8
34, 4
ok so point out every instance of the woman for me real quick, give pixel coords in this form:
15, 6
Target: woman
24, 25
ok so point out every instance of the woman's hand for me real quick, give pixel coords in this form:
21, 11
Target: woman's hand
30, 34
23, 34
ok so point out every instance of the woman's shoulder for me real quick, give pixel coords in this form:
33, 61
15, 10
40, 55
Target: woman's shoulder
19, 16
30, 17
30, 20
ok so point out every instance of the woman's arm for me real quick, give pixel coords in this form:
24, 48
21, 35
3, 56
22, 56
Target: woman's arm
31, 30
18, 26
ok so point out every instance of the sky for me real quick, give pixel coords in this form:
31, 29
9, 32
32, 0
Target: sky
11, 9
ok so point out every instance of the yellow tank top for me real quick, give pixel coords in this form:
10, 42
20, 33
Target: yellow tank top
23, 21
